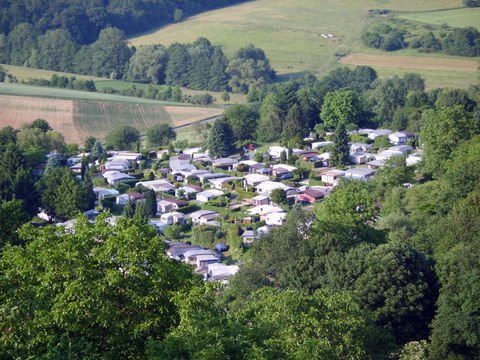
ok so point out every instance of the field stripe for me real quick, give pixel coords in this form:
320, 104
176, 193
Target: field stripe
411, 62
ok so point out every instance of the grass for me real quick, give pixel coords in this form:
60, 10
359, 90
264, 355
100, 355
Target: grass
456, 17
25, 73
437, 71
47, 92
123, 85
290, 32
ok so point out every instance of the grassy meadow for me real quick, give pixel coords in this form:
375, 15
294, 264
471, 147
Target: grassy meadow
26, 73
290, 32
455, 18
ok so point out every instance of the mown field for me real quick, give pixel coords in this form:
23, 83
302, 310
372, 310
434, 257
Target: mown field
77, 118
455, 17
25, 73
437, 71
291, 33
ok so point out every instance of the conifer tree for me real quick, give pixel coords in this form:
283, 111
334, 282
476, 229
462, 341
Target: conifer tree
341, 151
220, 139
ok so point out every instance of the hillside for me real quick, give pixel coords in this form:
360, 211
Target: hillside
78, 114
291, 34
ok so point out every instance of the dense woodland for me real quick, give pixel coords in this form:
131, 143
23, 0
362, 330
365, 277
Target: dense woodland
84, 20
378, 270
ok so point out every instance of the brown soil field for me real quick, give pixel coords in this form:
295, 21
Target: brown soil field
411, 62
77, 119
17, 111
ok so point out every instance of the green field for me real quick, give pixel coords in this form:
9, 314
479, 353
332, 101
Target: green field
25, 73
47, 92
456, 18
291, 32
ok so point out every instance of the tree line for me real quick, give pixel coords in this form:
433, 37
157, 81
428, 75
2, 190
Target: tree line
84, 20
289, 112
198, 65
457, 41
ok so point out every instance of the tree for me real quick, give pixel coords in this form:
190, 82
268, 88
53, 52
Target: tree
243, 121
462, 42
12, 217
455, 332
21, 41
271, 120
178, 66
129, 209
443, 130
4, 52
249, 68
122, 137
41, 124
101, 290
278, 196
225, 96
110, 54
89, 142
150, 203
87, 196
399, 286
271, 324
54, 161
56, 51
220, 139
341, 106
340, 155
218, 72
141, 214
292, 132
97, 151
173, 232
67, 198
160, 135
387, 96
148, 65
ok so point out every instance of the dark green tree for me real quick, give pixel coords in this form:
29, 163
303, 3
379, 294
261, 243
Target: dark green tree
148, 65
12, 216
443, 130
56, 51
97, 151
21, 41
399, 286
110, 54
340, 154
178, 66
101, 290
278, 196
122, 137
141, 213
220, 139
293, 131
150, 202
341, 106
243, 121
160, 135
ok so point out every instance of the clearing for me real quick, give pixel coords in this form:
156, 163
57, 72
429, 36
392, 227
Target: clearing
78, 118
